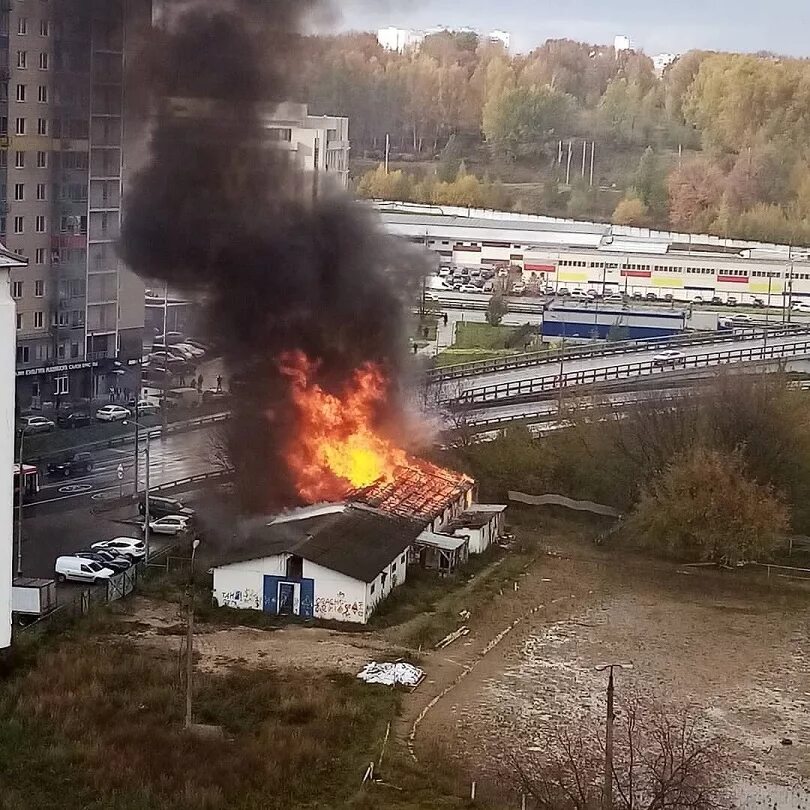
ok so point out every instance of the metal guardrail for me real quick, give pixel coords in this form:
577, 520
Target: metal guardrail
129, 438
478, 367
501, 392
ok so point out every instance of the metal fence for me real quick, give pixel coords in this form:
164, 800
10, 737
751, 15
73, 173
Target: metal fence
515, 390
528, 359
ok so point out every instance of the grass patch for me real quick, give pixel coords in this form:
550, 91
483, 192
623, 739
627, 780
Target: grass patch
97, 724
452, 357
472, 335
426, 328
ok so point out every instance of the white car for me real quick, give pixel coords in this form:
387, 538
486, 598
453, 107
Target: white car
195, 351
578, 295
615, 298
171, 524
80, 569
669, 357
801, 306
469, 288
112, 413
128, 547
36, 424
519, 288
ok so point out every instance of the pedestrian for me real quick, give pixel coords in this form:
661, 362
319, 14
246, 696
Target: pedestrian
183, 380
126, 394
219, 383
445, 318
112, 394
200, 383
426, 332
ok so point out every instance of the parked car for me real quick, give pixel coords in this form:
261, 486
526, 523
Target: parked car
669, 297
758, 302
651, 296
35, 424
112, 413
615, 298
118, 564
488, 286
212, 395
717, 300
171, 525
519, 288
78, 569
698, 299
186, 397
669, 357
800, 306
126, 546
578, 295
162, 507
72, 464
147, 407
73, 419
548, 289
592, 294
637, 296
469, 288
732, 301
563, 292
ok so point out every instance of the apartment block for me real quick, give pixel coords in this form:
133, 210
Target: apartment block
62, 131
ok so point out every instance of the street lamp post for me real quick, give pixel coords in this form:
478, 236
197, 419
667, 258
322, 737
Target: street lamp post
190, 635
607, 792
146, 492
20, 490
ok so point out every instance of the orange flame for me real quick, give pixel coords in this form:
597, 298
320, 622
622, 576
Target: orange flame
336, 448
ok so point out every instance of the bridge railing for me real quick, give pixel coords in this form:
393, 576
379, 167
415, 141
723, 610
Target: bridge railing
478, 367
516, 389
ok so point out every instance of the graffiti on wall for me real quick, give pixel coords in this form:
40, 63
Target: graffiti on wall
338, 606
243, 598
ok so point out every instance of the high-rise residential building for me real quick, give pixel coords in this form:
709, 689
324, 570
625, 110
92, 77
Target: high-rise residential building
62, 132
405, 39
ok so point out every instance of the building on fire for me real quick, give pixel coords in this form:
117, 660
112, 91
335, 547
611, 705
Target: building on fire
339, 561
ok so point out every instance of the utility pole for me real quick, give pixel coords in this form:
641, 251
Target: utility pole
387, 150
20, 491
559, 153
593, 153
584, 157
163, 404
190, 636
568, 167
607, 790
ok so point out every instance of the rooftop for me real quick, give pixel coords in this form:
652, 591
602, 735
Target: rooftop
353, 540
422, 492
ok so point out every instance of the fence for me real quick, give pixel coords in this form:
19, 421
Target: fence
117, 587
478, 367
514, 390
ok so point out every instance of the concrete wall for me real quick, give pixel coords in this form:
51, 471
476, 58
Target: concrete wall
392, 577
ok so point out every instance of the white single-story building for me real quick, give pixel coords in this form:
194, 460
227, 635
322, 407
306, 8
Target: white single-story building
482, 524
334, 562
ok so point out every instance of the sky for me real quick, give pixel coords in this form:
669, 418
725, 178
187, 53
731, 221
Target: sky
655, 27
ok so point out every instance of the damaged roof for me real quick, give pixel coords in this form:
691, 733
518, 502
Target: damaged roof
421, 491
355, 541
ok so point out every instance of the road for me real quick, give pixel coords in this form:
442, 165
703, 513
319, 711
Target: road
480, 384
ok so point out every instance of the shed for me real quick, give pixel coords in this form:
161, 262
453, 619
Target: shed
336, 562
441, 552
482, 525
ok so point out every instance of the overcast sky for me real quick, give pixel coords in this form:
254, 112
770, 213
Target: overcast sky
740, 25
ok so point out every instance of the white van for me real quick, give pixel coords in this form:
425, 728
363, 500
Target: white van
79, 569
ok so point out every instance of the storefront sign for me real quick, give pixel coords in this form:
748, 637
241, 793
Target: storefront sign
60, 369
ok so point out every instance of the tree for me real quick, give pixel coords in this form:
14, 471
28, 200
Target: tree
631, 211
706, 507
650, 183
695, 190
496, 309
381, 185
661, 759
520, 122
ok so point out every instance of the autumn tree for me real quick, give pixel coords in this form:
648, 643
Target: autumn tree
631, 211
705, 506
695, 190
382, 185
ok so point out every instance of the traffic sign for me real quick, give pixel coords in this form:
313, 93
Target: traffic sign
120, 471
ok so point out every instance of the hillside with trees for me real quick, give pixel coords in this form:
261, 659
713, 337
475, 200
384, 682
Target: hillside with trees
718, 143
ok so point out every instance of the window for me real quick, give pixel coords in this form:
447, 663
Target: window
21, 126
39, 288
62, 382
42, 94
42, 160
74, 351
373, 587
60, 351
402, 558
38, 320
44, 28
43, 60
42, 191
16, 289
22, 25
40, 256
19, 224
23, 354
42, 126
21, 92
22, 60
3, 159
19, 320
41, 224
19, 191
393, 567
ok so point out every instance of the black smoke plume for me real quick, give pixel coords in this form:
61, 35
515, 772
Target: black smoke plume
221, 211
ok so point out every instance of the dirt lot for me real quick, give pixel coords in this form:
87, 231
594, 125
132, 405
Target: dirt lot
739, 656
158, 625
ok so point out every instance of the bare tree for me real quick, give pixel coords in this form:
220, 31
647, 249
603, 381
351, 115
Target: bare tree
662, 761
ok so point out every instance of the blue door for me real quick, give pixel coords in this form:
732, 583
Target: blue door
286, 595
